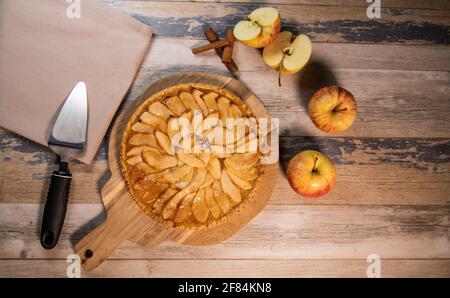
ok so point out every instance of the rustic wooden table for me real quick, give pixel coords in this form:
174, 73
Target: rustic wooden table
392, 196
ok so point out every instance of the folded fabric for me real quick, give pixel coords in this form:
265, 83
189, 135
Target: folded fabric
47, 46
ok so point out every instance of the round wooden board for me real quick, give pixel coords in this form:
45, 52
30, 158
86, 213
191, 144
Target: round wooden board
125, 219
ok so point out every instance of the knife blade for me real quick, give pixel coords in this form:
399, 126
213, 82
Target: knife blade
69, 129
67, 139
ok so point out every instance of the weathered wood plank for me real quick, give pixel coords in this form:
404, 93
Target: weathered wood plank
321, 23
229, 268
370, 171
429, 4
387, 99
390, 103
279, 232
176, 52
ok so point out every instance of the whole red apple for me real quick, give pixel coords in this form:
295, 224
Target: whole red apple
311, 174
332, 109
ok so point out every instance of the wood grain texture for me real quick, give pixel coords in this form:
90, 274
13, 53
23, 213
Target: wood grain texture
390, 103
427, 4
227, 268
371, 171
176, 52
321, 23
392, 197
279, 232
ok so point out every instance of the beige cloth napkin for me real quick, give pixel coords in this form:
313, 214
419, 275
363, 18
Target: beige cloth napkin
45, 49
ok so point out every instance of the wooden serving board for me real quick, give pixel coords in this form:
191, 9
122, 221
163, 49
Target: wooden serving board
127, 221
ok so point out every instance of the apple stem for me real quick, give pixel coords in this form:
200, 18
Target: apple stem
279, 77
315, 163
340, 110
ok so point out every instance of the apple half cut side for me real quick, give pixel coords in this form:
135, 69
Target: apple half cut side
260, 28
286, 55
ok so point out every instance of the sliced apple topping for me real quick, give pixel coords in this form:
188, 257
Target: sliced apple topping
173, 127
211, 202
164, 142
208, 181
210, 122
187, 115
178, 184
154, 121
199, 207
210, 101
242, 161
249, 174
219, 151
160, 110
205, 157
146, 169
185, 180
134, 160
184, 210
161, 201
171, 207
197, 94
142, 127
242, 183
138, 150
198, 179
220, 197
214, 168
158, 160
140, 139
229, 188
175, 105
191, 160
189, 101
175, 174
235, 111
154, 192
223, 104
196, 123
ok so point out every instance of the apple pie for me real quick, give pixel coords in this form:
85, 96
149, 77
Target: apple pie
188, 173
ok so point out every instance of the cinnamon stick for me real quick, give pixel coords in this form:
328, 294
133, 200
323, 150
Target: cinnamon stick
217, 44
227, 54
212, 36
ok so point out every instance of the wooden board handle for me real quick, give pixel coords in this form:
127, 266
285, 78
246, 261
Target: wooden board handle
124, 221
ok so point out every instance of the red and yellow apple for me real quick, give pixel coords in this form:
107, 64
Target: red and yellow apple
287, 54
311, 174
260, 28
332, 109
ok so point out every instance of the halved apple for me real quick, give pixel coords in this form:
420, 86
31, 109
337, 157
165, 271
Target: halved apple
260, 28
288, 55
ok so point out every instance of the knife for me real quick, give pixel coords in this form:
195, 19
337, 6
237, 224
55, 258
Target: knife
67, 139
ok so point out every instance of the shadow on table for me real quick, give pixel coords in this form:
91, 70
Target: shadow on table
314, 76
95, 221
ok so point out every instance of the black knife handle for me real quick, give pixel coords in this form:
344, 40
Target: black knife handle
55, 206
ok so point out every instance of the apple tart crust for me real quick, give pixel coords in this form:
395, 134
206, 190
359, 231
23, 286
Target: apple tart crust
190, 189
